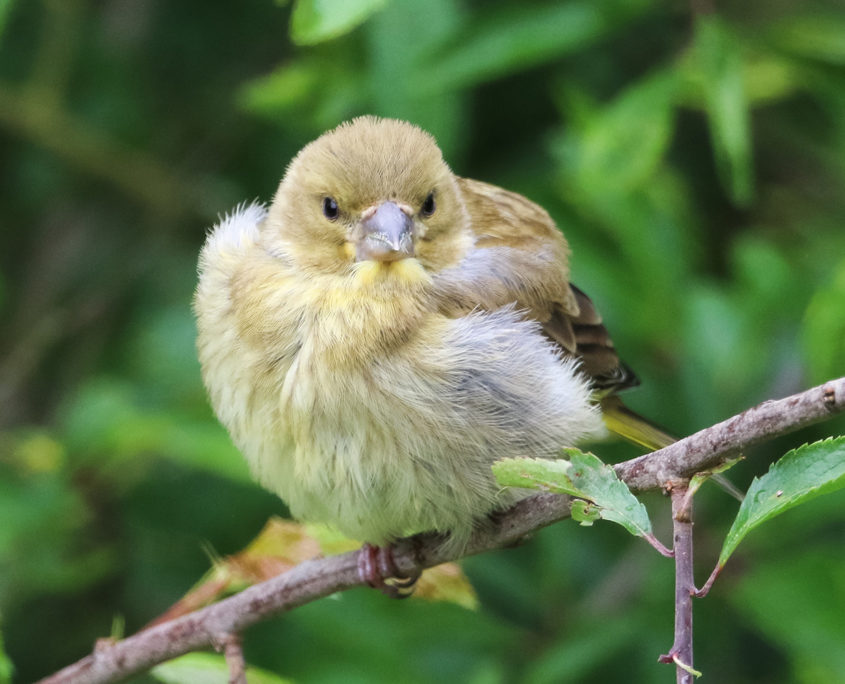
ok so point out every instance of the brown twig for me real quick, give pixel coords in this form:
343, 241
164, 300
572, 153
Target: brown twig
681, 651
707, 448
317, 578
233, 651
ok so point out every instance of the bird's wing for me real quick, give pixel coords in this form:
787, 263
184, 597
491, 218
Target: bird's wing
528, 258
520, 256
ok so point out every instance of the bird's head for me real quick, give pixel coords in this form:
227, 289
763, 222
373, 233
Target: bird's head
372, 194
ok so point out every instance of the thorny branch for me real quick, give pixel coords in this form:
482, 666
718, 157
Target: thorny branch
321, 577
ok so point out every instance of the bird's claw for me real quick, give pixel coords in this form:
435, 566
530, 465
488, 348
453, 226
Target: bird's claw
377, 568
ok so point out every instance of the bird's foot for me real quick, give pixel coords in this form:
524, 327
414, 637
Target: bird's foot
377, 568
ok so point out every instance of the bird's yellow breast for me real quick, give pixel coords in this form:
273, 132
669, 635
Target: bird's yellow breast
350, 320
402, 273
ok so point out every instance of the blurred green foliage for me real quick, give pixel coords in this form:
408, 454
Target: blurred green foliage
204, 668
695, 162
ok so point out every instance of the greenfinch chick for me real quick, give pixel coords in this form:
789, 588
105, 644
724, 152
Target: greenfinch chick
385, 330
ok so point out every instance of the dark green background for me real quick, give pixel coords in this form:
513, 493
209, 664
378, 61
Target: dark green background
695, 162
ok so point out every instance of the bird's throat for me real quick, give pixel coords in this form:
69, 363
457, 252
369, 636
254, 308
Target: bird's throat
401, 272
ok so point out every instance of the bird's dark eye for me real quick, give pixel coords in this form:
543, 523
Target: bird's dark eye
330, 210
428, 206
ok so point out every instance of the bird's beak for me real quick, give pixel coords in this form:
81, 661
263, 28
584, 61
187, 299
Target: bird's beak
385, 234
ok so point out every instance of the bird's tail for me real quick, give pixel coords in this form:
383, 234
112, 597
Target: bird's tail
630, 425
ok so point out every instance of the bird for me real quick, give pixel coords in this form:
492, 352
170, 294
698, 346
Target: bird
385, 330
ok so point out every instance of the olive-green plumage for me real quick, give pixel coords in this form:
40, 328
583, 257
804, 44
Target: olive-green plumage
386, 330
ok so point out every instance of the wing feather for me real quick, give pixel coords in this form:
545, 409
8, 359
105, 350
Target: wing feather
520, 256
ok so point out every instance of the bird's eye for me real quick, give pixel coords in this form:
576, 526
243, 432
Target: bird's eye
330, 210
428, 206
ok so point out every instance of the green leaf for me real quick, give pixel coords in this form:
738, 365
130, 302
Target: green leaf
285, 88
818, 36
315, 21
584, 512
511, 39
583, 649
312, 93
802, 474
619, 146
44, 522
583, 476
109, 426
824, 329
5, 7
6, 667
796, 603
535, 473
207, 668
769, 78
394, 59
717, 72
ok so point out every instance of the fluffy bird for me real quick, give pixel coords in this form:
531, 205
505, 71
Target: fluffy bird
386, 330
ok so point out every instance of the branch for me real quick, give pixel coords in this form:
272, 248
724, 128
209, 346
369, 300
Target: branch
681, 651
321, 577
234, 654
709, 447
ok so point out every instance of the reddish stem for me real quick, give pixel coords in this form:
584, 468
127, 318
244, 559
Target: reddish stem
701, 593
681, 651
